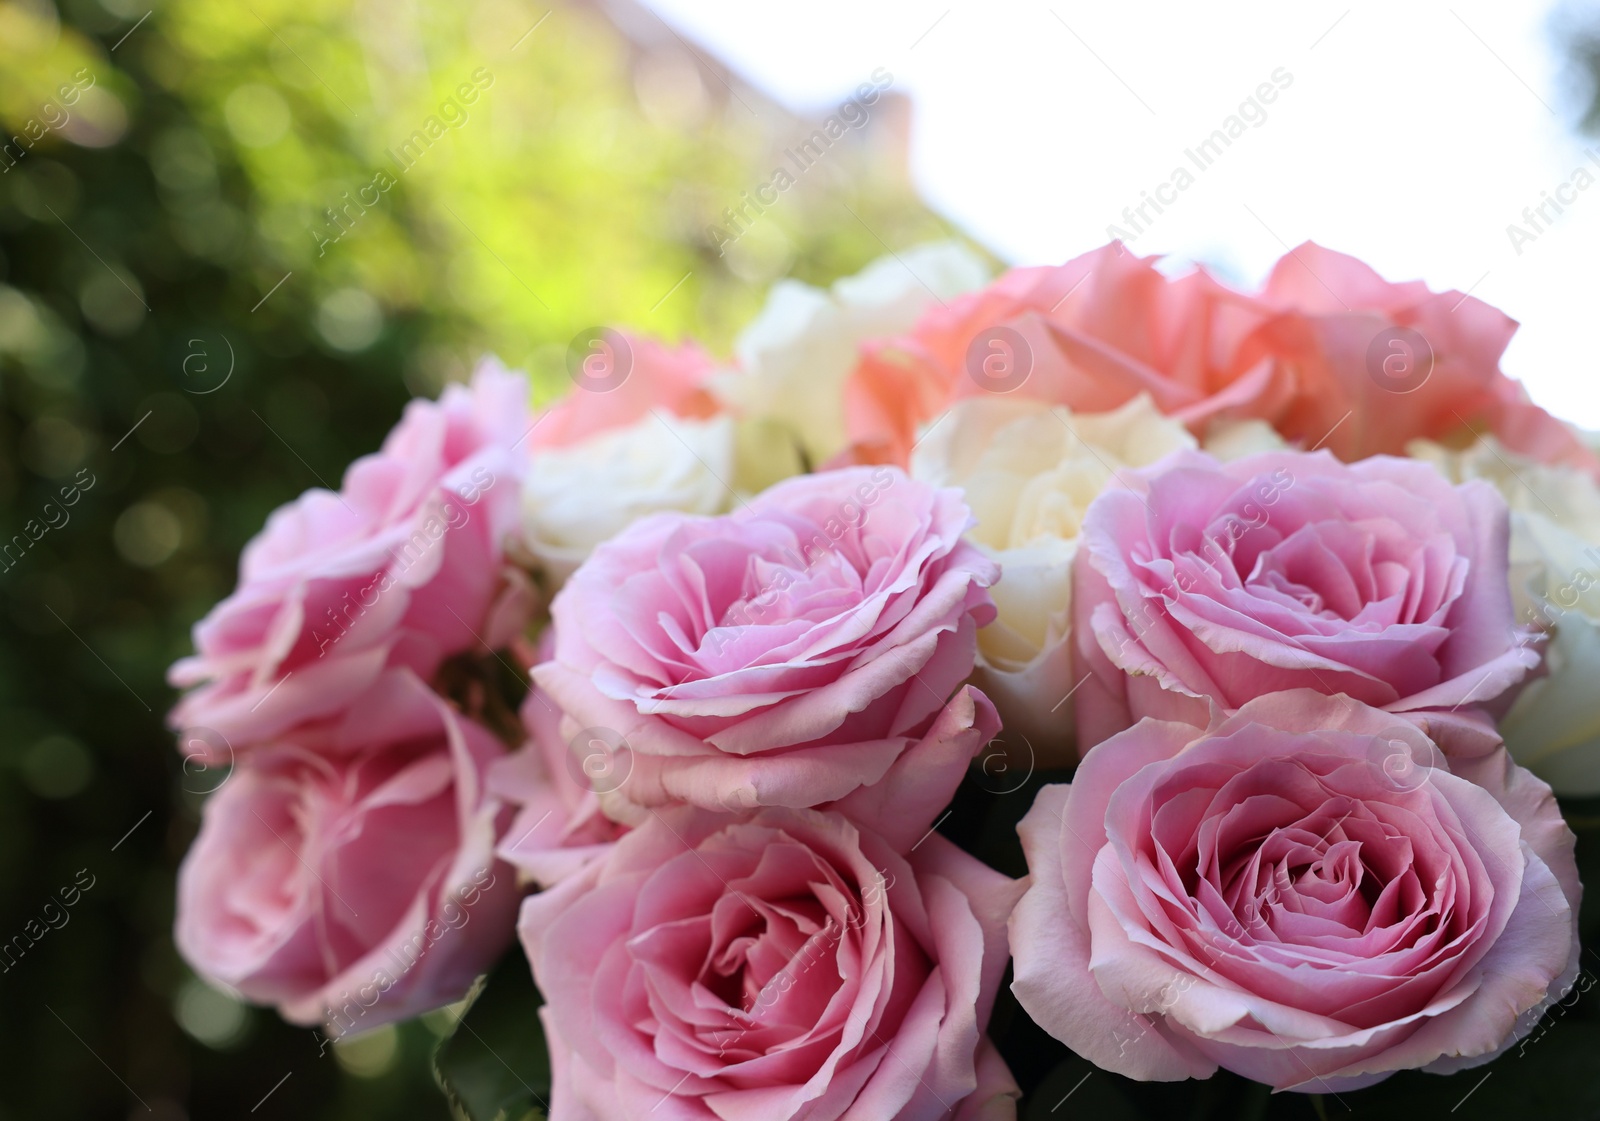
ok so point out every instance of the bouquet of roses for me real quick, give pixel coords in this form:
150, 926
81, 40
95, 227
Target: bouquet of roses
675, 682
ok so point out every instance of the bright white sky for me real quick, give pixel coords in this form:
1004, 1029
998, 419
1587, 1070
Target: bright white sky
1411, 135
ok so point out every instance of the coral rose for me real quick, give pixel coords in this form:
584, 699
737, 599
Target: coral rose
619, 380
1328, 352
1375, 364
1091, 335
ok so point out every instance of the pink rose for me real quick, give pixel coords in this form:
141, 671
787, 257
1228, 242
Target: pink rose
1377, 364
357, 886
401, 568
775, 966
1091, 334
1199, 581
795, 652
559, 825
619, 379
1308, 894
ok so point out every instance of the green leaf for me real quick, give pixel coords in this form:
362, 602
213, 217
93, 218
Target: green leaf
495, 1065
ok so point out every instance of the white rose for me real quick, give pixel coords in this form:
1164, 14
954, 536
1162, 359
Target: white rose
1553, 728
1029, 471
1234, 439
578, 496
795, 357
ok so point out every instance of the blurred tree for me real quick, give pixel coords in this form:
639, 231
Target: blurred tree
189, 338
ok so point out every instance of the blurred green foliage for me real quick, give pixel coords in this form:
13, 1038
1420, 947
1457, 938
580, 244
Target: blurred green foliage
179, 325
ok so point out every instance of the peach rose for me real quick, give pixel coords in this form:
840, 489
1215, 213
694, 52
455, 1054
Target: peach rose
1375, 364
1091, 334
1328, 352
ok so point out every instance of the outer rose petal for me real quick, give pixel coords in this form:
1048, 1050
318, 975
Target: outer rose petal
564, 1103
922, 780
1332, 310
559, 827
1051, 973
894, 787
997, 1094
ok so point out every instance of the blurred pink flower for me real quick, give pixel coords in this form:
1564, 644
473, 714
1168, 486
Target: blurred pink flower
355, 886
619, 378
401, 568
